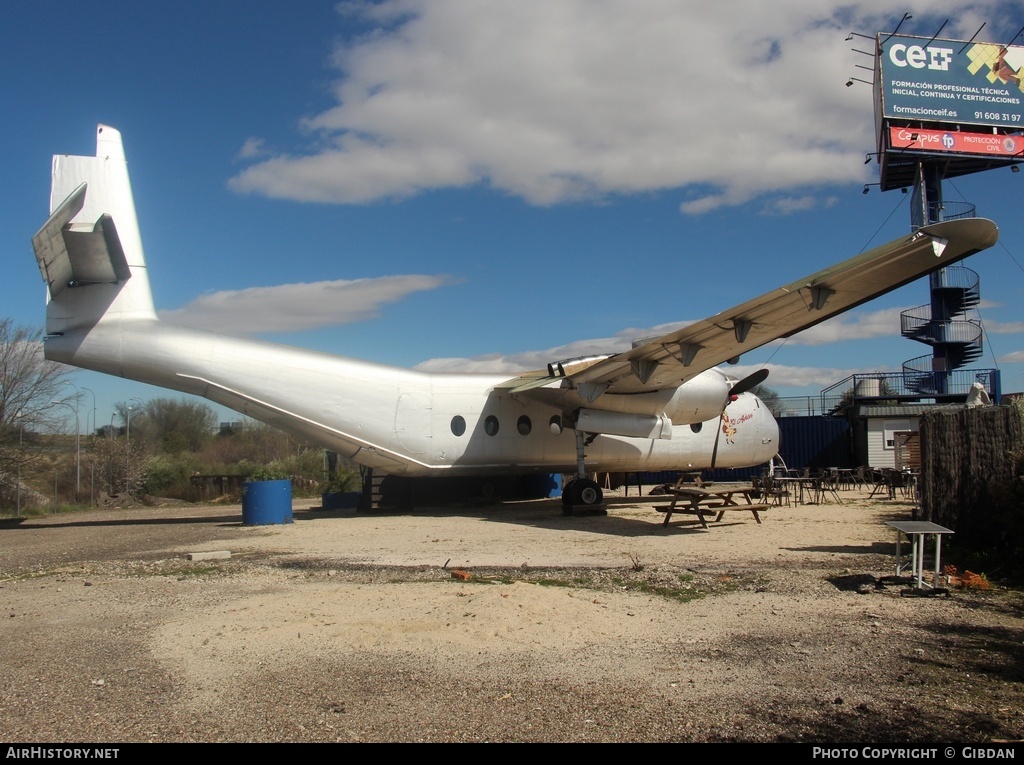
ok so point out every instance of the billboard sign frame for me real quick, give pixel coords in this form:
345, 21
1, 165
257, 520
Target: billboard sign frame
957, 142
924, 79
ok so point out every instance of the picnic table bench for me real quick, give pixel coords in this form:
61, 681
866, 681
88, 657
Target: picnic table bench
717, 499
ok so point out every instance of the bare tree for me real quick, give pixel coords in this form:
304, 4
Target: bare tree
770, 398
179, 424
30, 391
121, 465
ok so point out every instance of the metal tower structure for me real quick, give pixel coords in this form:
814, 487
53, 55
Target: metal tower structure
944, 108
956, 341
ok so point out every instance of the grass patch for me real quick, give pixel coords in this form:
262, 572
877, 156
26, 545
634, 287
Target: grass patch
684, 588
578, 582
670, 585
22, 576
180, 572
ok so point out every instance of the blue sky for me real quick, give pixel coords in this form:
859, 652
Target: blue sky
487, 185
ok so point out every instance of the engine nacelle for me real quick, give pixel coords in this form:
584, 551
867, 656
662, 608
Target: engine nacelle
623, 424
697, 400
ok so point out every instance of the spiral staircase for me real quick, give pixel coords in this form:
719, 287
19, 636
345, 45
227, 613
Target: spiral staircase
956, 341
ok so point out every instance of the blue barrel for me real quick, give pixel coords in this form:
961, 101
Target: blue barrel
544, 485
266, 502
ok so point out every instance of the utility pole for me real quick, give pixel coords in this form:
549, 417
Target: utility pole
78, 453
21, 449
128, 444
92, 462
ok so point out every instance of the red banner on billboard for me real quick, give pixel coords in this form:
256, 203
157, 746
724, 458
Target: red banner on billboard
955, 142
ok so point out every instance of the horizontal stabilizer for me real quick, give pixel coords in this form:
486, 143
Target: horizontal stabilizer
73, 258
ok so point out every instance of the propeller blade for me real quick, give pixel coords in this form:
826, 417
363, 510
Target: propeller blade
748, 382
714, 452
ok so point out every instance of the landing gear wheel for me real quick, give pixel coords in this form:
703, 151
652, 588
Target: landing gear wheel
583, 493
586, 492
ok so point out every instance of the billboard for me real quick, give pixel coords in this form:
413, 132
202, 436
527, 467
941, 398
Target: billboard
956, 142
928, 80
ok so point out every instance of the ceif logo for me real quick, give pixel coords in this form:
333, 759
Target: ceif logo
917, 57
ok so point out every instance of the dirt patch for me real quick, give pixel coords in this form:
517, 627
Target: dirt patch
346, 627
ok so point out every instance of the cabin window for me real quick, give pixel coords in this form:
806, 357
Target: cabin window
696, 426
524, 426
458, 425
555, 425
491, 425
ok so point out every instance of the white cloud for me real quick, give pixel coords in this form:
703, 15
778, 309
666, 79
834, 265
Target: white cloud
294, 307
781, 376
1004, 327
856, 326
253, 148
577, 99
793, 204
530, 360
852, 326
1015, 357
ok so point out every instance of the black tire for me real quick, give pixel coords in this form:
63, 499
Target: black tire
586, 492
567, 494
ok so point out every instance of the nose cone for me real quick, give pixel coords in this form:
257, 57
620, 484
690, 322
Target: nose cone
767, 428
749, 415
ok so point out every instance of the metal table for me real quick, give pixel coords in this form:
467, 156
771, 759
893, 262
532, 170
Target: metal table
917, 531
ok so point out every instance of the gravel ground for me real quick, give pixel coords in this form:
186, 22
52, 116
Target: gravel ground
346, 627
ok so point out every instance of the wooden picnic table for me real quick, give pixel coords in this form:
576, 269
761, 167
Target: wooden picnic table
717, 499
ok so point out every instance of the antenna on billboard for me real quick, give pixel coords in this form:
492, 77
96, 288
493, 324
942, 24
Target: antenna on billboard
937, 33
906, 16
975, 35
861, 66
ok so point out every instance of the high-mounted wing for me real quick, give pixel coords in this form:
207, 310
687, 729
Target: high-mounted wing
672, 359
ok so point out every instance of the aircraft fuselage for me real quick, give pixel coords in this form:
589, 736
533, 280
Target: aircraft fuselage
408, 422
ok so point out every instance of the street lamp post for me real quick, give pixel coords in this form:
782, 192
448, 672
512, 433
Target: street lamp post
78, 451
21, 449
110, 460
128, 444
92, 462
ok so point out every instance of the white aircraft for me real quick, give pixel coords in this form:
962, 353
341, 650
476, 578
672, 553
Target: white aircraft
663, 405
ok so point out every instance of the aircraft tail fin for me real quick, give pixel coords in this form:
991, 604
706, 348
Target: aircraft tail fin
90, 250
